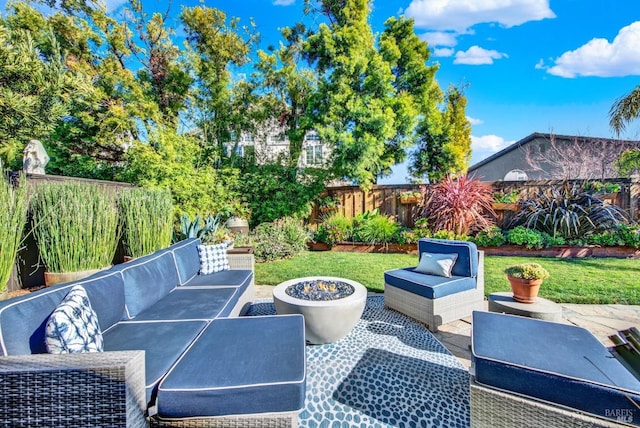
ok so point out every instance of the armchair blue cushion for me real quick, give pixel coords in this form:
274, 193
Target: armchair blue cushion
435, 299
467, 262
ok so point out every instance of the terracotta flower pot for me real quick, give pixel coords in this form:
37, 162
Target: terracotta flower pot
525, 290
53, 278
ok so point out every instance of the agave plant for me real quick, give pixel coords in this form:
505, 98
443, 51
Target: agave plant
460, 205
205, 229
568, 211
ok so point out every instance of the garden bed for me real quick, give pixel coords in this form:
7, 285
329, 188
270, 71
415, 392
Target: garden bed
563, 251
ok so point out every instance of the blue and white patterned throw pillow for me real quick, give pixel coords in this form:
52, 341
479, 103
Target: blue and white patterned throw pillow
73, 326
213, 258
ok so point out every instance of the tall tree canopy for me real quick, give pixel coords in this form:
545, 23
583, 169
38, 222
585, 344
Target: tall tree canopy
624, 110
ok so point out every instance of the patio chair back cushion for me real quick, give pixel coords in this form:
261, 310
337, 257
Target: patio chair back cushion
147, 280
467, 262
23, 319
186, 258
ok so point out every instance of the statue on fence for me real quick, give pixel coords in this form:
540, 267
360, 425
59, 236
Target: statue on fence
35, 158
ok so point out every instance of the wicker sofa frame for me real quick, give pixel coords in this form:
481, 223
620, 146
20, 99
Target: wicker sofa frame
435, 312
103, 388
494, 408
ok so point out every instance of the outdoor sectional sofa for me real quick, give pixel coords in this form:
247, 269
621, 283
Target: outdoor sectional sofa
177, 351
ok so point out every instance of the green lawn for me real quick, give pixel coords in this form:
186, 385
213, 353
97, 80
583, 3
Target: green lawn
584, 280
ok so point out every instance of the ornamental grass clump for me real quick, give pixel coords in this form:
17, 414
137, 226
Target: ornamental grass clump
147, 220
460, 205
14, 202
76, 226
527, 271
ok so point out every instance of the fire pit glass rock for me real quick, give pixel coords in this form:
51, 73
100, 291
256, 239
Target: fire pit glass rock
319, 289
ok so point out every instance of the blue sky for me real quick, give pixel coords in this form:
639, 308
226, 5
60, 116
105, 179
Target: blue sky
530, 65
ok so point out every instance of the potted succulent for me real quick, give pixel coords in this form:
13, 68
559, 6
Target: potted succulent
505, 201
410, 197
525, 280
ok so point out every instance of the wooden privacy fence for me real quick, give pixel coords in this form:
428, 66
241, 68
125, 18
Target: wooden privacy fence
386, 198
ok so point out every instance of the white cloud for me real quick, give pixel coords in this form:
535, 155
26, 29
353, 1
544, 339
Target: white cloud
489, 144
601, 58
474, 121
443, 52
283, 2
486, 145
476, 55
440, 38
460, 15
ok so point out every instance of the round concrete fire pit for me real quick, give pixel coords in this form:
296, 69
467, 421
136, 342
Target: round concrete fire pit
331, 306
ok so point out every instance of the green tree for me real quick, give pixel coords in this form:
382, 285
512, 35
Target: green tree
355, 109
220, 108
629, 162
624, 110
286, 89
445, 140
32, 90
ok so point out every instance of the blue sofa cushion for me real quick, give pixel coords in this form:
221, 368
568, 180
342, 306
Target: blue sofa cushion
147, 279
73, 325
192, 304
185, 254
467, 263
23, 319
227, 372
163, 343
560, 363
226, 278
429, 286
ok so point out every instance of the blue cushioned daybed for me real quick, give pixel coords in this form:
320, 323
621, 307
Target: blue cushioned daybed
553, 374
201, 363
439, 297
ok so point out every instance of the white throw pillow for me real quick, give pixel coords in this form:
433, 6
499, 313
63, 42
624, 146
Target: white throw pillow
213, 258
73, 326
437, 264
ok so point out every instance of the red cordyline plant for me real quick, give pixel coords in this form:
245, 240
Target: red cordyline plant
461, 205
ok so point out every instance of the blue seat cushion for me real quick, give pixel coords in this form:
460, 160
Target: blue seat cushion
560, 363
226, 278
241, 365
467, 262
163, 342
147, 279
187, 259
192, 304
429, 286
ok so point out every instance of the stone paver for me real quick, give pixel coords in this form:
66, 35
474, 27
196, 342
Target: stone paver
601, 320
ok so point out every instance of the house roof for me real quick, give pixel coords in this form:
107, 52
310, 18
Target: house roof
534, 136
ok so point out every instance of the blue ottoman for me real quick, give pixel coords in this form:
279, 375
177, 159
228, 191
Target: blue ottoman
226, 372
555, 363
